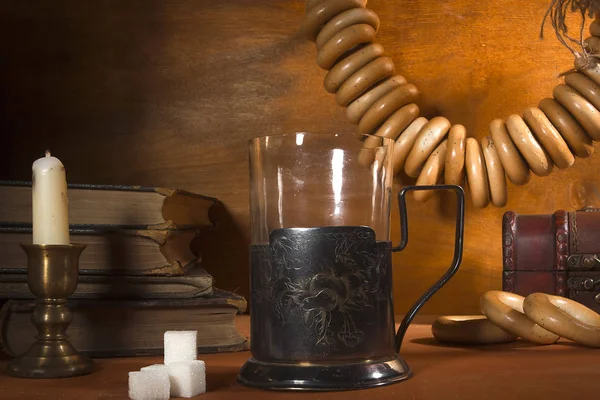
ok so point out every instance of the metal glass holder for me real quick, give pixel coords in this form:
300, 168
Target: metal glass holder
52, 275
318, 293
324, 376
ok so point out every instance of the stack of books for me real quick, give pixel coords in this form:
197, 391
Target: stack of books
137, 276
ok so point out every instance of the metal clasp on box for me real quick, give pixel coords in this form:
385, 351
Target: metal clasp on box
583, 261
590, 283
582, 283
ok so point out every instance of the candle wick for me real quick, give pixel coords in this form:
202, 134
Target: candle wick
47, 153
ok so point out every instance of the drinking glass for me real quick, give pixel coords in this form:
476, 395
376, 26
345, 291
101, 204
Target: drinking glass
321, 301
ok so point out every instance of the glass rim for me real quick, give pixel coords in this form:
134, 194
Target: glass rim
360, 137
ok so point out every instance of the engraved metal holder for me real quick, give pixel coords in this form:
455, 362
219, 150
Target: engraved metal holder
52, 275
322, 314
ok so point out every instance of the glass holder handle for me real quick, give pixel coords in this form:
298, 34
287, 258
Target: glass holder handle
458, 249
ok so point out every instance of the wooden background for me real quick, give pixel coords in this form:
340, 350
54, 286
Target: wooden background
167, 93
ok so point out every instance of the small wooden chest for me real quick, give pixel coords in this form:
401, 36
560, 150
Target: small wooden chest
554, 253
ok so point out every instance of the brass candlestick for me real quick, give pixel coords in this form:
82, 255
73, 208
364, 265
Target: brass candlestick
52, 274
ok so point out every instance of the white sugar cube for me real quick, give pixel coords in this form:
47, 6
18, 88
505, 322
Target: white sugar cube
149, 385
180, 346
155, 367
188, 378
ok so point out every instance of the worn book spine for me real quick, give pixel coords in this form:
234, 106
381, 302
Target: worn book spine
133, 207
109, 328
196, 283
111, 251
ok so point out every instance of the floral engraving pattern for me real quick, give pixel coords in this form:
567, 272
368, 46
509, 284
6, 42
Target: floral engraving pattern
323, 278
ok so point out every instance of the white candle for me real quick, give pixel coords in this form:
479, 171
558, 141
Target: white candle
50, 203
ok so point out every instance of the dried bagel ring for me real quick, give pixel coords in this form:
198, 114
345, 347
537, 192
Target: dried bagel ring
317, 15
591, 71
398, 121
584, 86
429, 137
431, 172
549, 137
405, 142
342, 42
344, 69
506, 311
363, 79
564, 317
592, 45
515, 167
311, 3
595, 28
469, 329
476, 174
373, 157
372, 150
454, 170
495, 173
380, 156
345, 19
579, 142
583, 111
386, 105
537, 158
359, 107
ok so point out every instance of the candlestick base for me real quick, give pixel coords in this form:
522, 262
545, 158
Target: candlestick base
45, 359
52, 274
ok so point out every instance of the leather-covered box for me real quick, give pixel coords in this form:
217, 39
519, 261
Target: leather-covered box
553, 253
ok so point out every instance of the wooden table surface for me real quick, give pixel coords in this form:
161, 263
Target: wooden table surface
511, 371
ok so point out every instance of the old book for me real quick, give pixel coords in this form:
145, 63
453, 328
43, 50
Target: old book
553, 253
111, 251
132, 328
135, 207
195, 283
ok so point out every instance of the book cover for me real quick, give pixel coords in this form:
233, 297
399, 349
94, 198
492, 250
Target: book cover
134, 207
195, 283
132, 328
110, 251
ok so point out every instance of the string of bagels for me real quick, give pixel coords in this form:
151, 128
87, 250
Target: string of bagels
383, 104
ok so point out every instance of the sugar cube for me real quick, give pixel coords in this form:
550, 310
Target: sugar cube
188, 378
180, 346
155, 367
149, 385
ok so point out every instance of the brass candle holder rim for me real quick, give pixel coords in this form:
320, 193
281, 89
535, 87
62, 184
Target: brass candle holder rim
53, 246
52, 251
